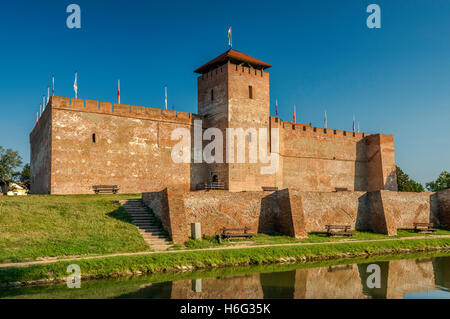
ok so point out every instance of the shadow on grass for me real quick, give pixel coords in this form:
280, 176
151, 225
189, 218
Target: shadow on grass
121, 214
319, 234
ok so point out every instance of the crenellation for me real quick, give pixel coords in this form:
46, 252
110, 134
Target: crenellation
138, 110
123, 109
169, 114
106, 107
131, 145
58, 101
92, 106
184, 115
78, 103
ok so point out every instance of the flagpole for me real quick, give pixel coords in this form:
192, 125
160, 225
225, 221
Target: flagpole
165, 96
118, 91
294, 115
276, 108
231, 38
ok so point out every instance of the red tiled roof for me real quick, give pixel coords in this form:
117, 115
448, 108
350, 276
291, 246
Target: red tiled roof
232, 55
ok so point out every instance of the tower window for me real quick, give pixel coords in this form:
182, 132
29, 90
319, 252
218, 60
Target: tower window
93, 138
250, 92
212, 95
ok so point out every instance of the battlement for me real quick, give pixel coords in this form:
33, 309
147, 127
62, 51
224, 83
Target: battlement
232, 68
299, 128
132, 111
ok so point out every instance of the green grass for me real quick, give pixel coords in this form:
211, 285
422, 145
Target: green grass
153, 263
315, 237
65, 225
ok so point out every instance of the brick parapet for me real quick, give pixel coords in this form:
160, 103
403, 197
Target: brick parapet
124, 110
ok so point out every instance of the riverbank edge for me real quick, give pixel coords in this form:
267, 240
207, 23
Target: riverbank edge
117, 266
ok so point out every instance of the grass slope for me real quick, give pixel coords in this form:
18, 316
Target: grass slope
60, 225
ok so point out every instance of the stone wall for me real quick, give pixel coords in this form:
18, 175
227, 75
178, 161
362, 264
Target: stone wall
443, 198
390, 211
80, 143
331, 208
88, 143
41, 154
291, 212
319, 159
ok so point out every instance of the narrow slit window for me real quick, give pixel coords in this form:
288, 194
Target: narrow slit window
94, 140
250, 92
212, 95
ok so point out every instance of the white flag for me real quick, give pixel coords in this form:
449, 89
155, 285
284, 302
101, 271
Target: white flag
165, 96
75, 86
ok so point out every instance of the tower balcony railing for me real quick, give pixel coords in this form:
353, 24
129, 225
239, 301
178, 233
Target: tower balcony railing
214, 185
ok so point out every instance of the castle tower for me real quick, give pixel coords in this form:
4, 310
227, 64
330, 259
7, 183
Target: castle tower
234, 92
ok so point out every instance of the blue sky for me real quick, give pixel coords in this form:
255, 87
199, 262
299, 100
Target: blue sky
395, 80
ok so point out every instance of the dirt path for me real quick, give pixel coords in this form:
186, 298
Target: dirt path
54, 260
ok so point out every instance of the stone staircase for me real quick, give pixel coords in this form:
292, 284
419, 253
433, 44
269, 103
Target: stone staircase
146, 222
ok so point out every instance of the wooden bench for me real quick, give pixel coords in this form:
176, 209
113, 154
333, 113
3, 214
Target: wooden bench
424, 228
269, 188
338, 230
105, 189
228, 233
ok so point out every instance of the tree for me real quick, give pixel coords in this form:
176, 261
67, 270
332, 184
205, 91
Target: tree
442, 182
406, 184
25, 174
9, 161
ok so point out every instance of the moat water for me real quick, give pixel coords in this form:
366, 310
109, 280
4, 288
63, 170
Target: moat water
418, 277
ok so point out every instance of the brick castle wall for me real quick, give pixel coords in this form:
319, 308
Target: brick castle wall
41, 154
291, 212
89, 143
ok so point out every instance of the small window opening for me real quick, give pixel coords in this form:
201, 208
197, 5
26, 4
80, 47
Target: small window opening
250, 92
212, 95
93, 138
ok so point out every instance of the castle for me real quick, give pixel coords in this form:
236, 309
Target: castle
80, 143
322, 176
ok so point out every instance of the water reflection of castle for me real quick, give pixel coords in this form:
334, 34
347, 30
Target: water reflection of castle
398, 277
